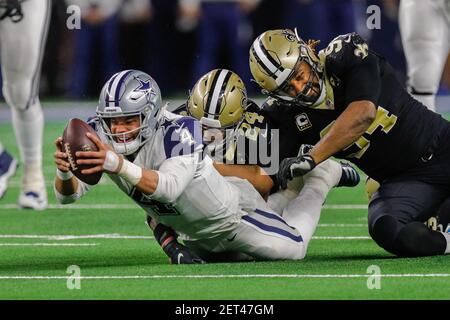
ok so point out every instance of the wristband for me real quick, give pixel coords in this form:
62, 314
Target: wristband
64, 176
164, 235
130, 172
112, 161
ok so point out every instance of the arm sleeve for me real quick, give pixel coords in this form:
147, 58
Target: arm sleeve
66, 199
174, 176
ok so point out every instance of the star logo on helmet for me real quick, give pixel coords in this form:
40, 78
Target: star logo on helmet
143, 85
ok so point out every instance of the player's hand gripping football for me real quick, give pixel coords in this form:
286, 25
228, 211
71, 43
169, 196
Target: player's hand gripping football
103, 160
294, 167
61, 158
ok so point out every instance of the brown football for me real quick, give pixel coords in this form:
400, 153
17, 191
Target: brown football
75, 139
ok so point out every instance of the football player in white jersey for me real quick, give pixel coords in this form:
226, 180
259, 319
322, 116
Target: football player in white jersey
156, 158
426, 45
23, 31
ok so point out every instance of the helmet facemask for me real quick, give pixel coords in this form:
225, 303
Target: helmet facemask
312, 89
130, 93
275, 58
121, 142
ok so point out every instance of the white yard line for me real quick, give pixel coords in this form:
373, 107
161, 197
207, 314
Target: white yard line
133, 206
80, 206
342, 225
121, 236
39, 244
346, 206
16, 183
342, 238
227, 276
72, 237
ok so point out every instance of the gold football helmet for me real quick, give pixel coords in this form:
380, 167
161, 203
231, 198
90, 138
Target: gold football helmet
275, 57
218, 99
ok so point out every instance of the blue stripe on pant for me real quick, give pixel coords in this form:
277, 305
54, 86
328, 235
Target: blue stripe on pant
272, 216
272, 229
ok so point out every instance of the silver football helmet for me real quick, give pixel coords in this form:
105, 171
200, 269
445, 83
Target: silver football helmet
130, 93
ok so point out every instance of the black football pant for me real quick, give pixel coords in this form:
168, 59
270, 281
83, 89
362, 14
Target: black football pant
401, 205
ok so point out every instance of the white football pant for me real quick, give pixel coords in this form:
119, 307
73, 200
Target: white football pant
425, 31
263, 234
21, 50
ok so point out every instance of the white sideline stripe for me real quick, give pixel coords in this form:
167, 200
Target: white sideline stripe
342, 238
346, 206
132, 206
72, 237
18, 183
222, 276
121, 236
47, 244
343, 225
80, 206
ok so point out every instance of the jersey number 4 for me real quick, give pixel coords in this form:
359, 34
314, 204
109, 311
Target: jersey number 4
161, 209
383, 120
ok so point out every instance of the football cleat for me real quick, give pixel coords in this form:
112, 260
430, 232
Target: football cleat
350, 177
8, 167
434, 223
33, 200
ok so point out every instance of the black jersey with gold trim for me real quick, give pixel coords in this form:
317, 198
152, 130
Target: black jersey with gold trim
253, 139
403, 132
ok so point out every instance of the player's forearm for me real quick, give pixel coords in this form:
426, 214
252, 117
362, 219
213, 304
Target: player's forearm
347, 129
253, 173
164, 185
148, 182
66, 187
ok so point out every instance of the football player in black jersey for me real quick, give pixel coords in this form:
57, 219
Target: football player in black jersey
239, 143
219, 101
241, 139
347, 101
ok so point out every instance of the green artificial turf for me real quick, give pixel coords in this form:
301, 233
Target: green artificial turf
336, 266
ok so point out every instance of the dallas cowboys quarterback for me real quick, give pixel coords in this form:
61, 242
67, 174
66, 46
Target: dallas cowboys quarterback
155, 157
353, 107
23, 32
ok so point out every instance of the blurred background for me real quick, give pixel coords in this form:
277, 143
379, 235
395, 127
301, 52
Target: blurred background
176, 41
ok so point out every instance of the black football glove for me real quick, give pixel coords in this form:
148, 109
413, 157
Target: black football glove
177, 253
180, 254
294, 167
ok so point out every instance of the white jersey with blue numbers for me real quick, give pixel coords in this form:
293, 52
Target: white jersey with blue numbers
210, 212
191, 196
